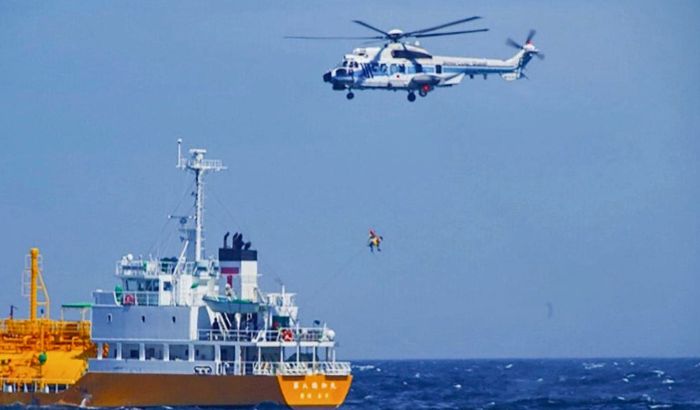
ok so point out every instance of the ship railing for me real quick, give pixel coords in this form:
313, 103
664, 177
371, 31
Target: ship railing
138, 267
301, 368
304, 334
66, 330
127, 297
34, 385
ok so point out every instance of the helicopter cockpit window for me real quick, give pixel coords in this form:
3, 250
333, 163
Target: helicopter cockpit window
393, 68
402, 68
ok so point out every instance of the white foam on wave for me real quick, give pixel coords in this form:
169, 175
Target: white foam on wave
509, 366
626, 380
591, 366
621, 398
668, 381
659, 373
540, 380
660, 406
362, 368
457, 386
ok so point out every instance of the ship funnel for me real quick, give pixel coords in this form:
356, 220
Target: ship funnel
239, 267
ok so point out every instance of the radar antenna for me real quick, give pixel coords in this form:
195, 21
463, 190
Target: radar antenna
199, 166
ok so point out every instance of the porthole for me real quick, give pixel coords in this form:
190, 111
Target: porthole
143, 319
109, 318
173, 319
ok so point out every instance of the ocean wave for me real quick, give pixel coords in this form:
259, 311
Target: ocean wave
591, 366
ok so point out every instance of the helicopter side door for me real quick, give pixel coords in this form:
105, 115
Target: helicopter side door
397, 75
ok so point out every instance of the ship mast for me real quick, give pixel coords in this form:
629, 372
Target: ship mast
199, 166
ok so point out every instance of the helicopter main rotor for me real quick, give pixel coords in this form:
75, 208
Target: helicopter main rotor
396, 35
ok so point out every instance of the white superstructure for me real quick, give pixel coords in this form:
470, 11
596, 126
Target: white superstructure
190, 314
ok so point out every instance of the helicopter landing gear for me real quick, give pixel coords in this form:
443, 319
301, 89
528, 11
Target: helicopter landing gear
411, 97
350, 95
422, 93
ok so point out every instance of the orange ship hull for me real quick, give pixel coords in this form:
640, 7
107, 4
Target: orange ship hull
142, 390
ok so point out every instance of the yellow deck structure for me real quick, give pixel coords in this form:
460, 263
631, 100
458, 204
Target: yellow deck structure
40, 354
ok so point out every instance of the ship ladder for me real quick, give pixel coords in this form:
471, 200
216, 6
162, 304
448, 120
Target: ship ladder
223, 324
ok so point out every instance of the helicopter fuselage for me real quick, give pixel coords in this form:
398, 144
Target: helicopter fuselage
401, 66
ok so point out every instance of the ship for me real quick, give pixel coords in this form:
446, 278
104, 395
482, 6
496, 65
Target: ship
191, 330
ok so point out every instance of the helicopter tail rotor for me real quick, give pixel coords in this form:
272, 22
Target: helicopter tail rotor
527, 46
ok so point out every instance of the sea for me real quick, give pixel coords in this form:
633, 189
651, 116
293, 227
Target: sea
625, 383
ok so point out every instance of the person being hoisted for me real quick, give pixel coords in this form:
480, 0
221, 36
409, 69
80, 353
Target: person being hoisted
374, 241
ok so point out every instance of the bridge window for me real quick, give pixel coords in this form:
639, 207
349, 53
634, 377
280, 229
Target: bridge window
438, 69
130, 351
179, 352
204, 352
154, 352
109, 351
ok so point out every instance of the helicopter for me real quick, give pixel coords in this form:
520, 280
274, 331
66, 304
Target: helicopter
398, 65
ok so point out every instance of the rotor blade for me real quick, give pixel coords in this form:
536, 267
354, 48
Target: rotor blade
374, 42
449, 33
362, 23
332, 38
452, 23
530, 35
513, 43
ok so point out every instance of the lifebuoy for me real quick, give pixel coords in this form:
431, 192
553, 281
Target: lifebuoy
129, 299
287, 335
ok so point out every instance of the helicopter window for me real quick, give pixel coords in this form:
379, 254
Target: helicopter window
345, 63
393, 68
375, 67
409, 55
383, 68
402, 68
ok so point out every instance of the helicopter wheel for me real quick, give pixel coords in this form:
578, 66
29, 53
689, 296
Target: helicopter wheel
411, 97
422, 93
350, 95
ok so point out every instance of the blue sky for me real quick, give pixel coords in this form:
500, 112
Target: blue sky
577, 187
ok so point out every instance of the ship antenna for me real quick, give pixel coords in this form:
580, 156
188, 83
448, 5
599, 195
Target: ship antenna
199, 166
